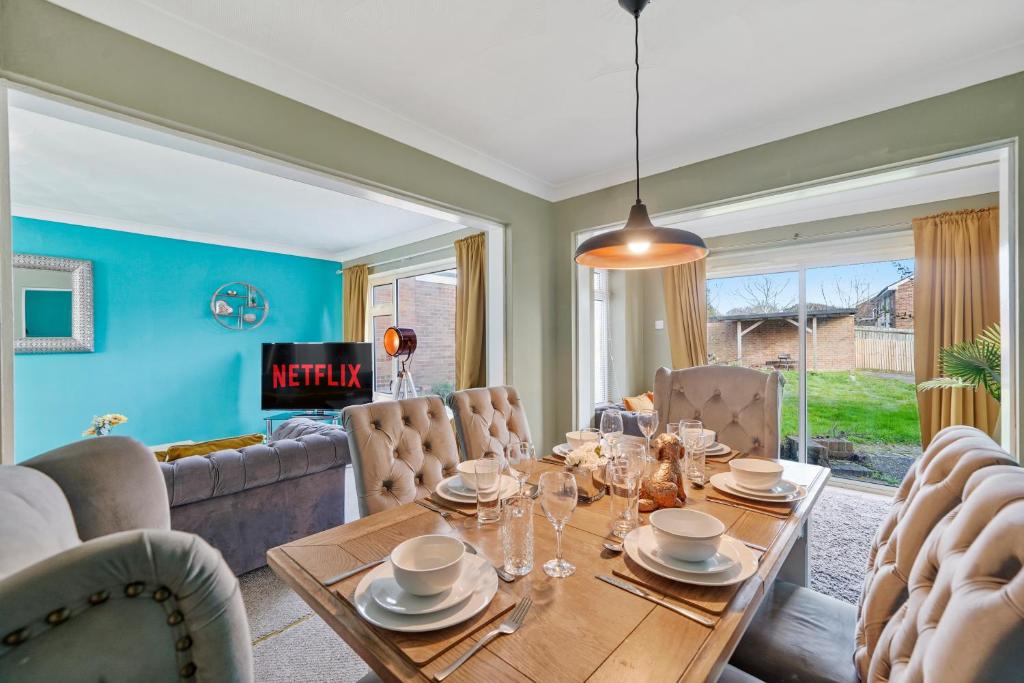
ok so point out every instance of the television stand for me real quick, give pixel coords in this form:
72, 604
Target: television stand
318, 415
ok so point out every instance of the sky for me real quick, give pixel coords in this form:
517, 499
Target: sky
838, 286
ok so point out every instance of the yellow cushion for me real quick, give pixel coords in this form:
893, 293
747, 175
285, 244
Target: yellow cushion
207, 447
644, 401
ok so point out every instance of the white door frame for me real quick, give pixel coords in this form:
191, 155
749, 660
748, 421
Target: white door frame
1002, 152
6, 291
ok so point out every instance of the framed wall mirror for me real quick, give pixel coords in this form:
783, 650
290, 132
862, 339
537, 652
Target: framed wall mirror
52, 304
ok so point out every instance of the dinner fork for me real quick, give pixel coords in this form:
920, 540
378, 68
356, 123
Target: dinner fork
445, 514
510, 625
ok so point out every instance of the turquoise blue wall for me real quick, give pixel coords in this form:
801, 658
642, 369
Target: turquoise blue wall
160, 358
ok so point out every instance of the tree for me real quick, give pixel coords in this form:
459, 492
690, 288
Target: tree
846, 293
761, 294
713, 291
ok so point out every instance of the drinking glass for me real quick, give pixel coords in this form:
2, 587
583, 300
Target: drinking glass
696, 460
488, 487
521, 456
647, 421
611, 426
689, 431
625, 473
517, 534
558, 500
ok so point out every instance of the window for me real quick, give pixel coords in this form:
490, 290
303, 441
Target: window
604, 381
424, 301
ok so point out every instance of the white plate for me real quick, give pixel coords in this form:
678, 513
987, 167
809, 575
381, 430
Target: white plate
562, 450
744, 568
417, 623
717, 449
509, 487
781, 490
723, 482
724, 559
389, 595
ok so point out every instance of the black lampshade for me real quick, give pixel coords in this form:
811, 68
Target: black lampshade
640, 244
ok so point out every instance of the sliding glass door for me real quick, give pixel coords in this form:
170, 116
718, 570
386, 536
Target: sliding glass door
842, 336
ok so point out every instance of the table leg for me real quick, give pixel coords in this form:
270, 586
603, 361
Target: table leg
796, 568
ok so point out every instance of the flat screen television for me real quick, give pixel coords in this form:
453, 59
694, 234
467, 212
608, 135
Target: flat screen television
317, 376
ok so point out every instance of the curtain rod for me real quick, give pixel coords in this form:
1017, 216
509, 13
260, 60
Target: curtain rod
399, 259
797, 238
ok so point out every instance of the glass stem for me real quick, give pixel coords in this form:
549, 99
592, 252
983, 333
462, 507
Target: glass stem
558, 543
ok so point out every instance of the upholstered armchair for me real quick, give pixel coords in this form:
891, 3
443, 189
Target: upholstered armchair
400, 450
95, 586
799, 634
742, 405
488, 420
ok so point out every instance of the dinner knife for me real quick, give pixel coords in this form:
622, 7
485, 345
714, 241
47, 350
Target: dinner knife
352, 572
640, 592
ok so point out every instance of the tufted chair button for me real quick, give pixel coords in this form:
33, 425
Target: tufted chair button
387, 484
430, 414
696, 415
16, 637
188, 671
376, 424
175, 618
161, 593
419, 479
757, 395
134, 589
735, 416
183, 643
406, 421
718, 393
58, 616
99, 598
426, 445
755, 440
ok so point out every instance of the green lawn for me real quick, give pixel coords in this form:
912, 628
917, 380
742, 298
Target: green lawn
869, 409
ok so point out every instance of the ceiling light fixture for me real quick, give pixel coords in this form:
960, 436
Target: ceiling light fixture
640, 244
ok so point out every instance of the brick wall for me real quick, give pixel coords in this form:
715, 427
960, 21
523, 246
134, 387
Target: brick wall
834, 349
903, 318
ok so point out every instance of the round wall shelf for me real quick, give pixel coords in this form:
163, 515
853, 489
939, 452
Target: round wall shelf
239, 306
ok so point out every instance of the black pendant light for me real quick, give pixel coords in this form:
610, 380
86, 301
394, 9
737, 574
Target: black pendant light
640, 244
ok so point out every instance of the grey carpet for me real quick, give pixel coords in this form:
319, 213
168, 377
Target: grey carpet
292, 645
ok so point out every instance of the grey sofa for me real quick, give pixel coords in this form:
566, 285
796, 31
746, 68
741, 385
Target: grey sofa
629, 423
247, 501
94, 586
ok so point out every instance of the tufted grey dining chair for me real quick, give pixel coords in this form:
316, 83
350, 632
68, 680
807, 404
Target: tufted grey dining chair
800, 634
400, 450
488, 420
95, 586
743, 406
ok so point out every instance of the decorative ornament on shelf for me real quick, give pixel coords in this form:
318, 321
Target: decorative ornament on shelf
640, 244
239, 306
102, 425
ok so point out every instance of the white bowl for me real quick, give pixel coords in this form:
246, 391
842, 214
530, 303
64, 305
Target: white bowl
467, 472
756, 473
427, 565
686, 535
578, 439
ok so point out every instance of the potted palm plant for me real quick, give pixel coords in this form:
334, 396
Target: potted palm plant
970, 365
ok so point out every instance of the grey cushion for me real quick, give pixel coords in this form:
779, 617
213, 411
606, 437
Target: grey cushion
35, 519
112, 483
799, 636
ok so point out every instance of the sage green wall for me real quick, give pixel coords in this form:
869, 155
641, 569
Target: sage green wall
44, 45
979, 114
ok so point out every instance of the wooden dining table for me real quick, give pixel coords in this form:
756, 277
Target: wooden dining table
579, 628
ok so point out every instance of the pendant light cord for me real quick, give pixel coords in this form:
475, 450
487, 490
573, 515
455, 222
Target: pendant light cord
636, 81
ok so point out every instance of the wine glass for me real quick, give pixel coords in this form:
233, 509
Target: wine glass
558, 497
611, 426
647, 421
520, 457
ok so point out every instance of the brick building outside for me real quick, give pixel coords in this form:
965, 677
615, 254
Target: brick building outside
893, 307
426, 303
772, 339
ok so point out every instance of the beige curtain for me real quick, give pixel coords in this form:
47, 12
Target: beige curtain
353, 302
956, 296
470, 319
686, 313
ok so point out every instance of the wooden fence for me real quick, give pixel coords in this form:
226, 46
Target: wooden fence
880, 348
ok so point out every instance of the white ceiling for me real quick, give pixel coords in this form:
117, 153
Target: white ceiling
75, 173
538, 93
